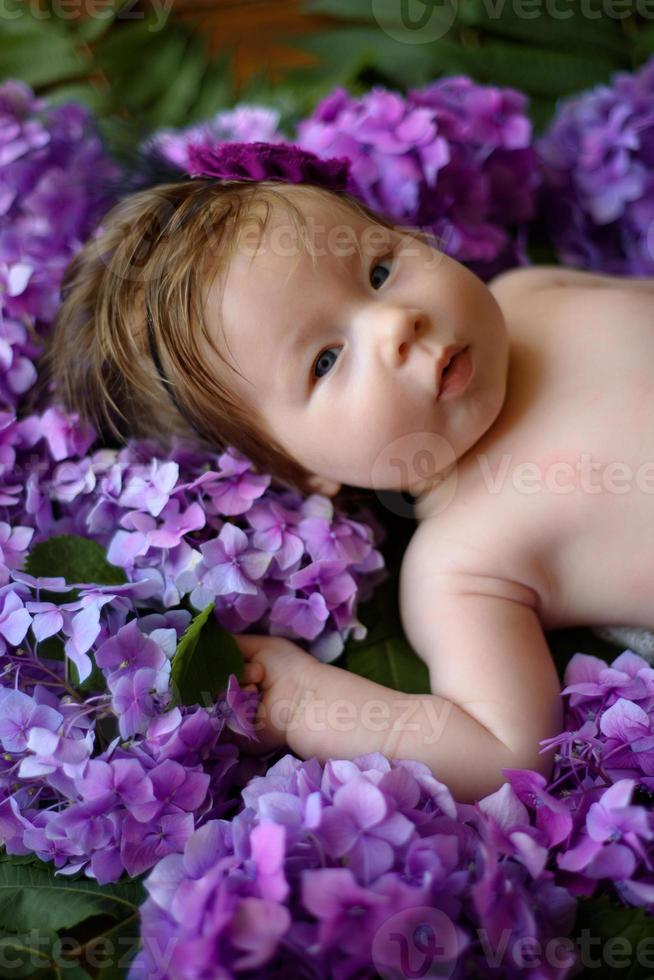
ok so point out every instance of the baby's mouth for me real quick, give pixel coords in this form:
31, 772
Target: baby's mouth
456, 372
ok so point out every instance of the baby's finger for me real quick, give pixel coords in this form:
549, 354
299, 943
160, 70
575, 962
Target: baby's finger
248, 644
253, 673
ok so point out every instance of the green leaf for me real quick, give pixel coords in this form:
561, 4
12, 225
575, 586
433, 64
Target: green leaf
347, 51
385, 655
95, 99
34, 898
205, 657
535, 70
347, 9
99, 21
176, 100
216, 90
572, 28
126, 42
157, 71
40, 59
644, 41
122, 942
20, 859
604, 920
79, 560
52, 648
393, 663
23, 954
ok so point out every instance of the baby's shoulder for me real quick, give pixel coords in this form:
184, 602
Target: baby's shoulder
449, 554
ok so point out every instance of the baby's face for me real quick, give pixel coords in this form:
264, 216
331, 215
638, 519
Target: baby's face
341, 359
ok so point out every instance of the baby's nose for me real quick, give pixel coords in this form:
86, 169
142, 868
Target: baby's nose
401, 328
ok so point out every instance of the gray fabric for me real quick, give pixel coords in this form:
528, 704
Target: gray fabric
635, 638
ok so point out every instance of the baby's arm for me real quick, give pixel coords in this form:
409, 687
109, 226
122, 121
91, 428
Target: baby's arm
497, 696
488, 654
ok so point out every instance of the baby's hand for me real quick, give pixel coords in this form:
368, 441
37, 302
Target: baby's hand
281, 671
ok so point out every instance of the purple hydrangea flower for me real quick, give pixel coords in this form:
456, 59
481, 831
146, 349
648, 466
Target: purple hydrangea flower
453, 158
598, 187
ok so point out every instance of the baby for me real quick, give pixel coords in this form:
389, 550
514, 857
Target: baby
515, 414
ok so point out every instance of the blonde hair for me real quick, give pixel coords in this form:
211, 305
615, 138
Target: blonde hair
156, 251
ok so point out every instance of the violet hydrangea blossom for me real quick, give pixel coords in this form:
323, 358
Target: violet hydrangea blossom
453, 158
598, 185
55, 183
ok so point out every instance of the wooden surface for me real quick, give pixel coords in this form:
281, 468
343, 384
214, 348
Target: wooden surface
254, 31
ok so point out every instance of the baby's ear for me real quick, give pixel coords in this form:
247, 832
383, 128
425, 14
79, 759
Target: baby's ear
324, 486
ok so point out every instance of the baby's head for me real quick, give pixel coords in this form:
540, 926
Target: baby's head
250, 287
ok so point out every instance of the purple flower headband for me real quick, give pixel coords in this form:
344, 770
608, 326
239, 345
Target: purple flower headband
253, 162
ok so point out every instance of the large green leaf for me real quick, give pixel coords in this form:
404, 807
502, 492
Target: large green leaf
361, 10
39, 58
385, 655
603, 920
347, 51
176, 100
77, 559
534, 70
205, 657
572, 28
98, 100
127, 41
122, 941
25, 954
34, 897
149, 79
391, 662
643, 41
43, 907
101, 20
216, 89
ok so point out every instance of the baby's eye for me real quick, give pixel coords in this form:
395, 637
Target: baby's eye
321, 359
377, 264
